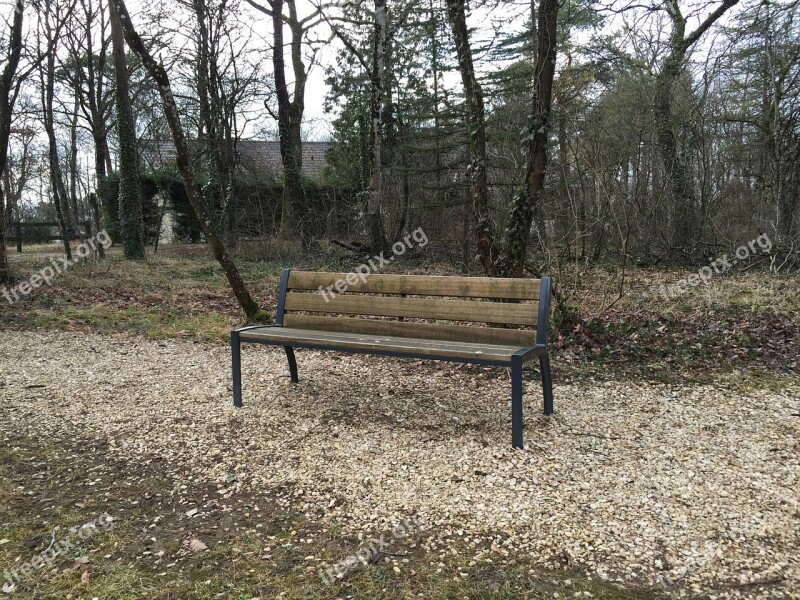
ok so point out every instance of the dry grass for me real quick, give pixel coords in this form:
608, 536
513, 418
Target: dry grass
592, 291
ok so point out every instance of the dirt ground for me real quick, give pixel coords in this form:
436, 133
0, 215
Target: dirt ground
665, 489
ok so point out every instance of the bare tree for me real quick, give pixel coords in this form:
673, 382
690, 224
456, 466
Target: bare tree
290, 107
19, 170
158, 73
53, 16
482, 227
89, 43
677, 171
376, 66
216, 105
375, 228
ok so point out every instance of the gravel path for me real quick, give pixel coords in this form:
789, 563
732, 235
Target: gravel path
693, 488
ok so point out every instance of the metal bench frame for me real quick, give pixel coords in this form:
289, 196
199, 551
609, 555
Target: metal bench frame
517, 358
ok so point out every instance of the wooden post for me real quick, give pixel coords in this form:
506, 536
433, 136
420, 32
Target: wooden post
19, 236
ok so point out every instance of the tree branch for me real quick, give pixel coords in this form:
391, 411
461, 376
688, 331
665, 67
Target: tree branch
260, 8
710, 20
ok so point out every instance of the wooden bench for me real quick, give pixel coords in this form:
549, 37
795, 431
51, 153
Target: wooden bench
401, 315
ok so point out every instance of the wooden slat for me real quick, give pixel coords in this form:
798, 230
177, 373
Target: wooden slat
428, 348
415, 308
422, 285
479, 335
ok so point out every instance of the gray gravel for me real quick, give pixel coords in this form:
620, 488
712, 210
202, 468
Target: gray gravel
694, 488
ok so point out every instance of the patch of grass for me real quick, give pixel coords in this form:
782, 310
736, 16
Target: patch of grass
149, 323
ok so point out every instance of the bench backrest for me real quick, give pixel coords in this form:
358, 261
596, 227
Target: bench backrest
429, 307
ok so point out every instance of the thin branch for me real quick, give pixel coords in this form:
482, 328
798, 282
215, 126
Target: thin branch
710, 20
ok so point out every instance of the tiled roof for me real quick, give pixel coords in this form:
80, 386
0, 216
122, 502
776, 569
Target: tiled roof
256, 157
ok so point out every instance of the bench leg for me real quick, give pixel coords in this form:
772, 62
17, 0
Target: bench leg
292, 363
236, 363
547, 384
516, 402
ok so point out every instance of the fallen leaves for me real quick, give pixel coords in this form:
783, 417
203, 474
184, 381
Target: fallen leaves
700, 341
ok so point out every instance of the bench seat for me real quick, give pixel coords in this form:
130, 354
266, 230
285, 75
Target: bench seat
393, 345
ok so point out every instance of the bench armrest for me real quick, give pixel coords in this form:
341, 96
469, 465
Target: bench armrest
249, 327
530, 351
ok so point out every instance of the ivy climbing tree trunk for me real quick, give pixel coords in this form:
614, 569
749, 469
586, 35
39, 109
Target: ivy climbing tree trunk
254, 313
512, 263
8, 97
131, 220
678, 173
288, 129
483, 231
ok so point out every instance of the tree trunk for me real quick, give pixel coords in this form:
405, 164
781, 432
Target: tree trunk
13, 187
518, 232
100, 152
252, 310
294, 159
131, 221
482, 228
7, 100
375, 228
74, 207
95, 99
208, 123
58, 189
5, 273
679, 178
290, 117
